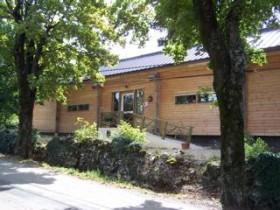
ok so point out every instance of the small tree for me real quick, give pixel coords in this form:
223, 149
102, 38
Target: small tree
53, 44
221, 27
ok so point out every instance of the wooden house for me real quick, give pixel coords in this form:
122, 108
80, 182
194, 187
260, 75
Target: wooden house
153, 87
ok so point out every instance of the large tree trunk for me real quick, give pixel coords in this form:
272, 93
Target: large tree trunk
26, 105
23, 64
232, 142
227, 59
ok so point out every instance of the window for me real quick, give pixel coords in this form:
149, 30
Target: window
209, 97
80, 107
83, 107
128, 101
116, 101
185, 99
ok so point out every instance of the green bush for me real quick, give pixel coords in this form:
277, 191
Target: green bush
35, 138
126, 131
264, 181
254, 147
8, 141
86, 131
128, 139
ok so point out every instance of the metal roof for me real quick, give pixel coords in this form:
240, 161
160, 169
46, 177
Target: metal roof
268, 39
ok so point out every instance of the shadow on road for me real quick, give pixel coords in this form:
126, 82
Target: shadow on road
148, 205
20, 173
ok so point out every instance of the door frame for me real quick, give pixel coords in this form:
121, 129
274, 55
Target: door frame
122, 101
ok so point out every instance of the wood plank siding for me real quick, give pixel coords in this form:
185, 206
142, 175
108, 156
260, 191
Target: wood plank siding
85, 95
44, 116
262, 93
263, 97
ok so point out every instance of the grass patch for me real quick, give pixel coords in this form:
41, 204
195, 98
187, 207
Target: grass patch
94, 175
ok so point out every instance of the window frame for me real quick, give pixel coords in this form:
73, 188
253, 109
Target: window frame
78, 108
186, 95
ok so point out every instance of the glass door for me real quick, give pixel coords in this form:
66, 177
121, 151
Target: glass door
127, 102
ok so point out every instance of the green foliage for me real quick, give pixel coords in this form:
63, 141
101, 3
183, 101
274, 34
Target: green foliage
171, 160
8, 141
61, 152
50, 47
35, 138
67, 39
95, 175
86, 131
264, 181
8, 93
128, 139
126, 132
179, 18
254, 147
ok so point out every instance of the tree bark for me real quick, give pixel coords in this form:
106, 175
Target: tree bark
23, 65
26, 105
227, 59
27, 53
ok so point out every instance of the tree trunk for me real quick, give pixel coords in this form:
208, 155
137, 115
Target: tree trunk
232, 144
227, 59
23, 65
26, 105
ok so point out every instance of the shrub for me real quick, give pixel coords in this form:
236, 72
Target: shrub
126, 131
8, 141
254, 147
128, 139
86, 131
264, 181
35, 138
62, 152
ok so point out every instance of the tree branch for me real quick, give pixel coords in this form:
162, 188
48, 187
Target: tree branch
212, 38
17, 11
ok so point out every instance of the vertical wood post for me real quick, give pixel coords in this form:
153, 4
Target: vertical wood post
164, 129
100, 117
120, 116
189, 137
143, 122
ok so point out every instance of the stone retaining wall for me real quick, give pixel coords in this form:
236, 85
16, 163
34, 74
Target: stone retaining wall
160, 172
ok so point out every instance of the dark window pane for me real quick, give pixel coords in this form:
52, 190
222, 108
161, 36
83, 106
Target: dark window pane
83, 107
116, 101
128, 100
185, 99
72, 108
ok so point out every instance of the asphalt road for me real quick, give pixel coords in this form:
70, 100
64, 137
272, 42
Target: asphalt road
27, 187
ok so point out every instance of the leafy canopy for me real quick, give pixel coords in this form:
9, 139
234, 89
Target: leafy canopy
178, 17
74, 36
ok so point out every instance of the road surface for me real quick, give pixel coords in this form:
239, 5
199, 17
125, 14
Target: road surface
27, 187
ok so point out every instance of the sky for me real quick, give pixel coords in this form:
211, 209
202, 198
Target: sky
132, 50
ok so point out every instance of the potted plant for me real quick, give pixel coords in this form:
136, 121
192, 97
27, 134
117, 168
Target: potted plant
186, 144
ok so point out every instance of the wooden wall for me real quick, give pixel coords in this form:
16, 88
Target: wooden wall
85, 95
187, 79
264, 97
44, 117
263, 87
130, 82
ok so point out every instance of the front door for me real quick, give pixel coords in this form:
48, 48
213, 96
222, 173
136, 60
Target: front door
127, 102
